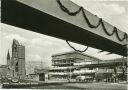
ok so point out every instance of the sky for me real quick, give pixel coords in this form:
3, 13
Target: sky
40, 47
114, 12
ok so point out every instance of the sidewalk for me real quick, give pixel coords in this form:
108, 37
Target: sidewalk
125, 82
51, 81
99, 86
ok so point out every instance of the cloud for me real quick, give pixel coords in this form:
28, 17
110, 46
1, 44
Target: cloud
102, 7
48, 42
17, 37
47, 46
38, 58
115, 13
34, 57
109, 9
117, 9
41, 42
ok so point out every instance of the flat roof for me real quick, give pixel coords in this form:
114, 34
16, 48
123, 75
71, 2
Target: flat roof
109, 60
3, 66
72, 52
115, 60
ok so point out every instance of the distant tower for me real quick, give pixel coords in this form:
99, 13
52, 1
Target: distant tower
8, 58
18, 60
8, 62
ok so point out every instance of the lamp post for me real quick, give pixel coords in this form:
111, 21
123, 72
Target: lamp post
69, 77
70, 71
123, 68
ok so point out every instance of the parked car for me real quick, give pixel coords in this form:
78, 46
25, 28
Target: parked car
14, 80
84, 78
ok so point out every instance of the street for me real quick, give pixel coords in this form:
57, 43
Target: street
99, 86
85, 86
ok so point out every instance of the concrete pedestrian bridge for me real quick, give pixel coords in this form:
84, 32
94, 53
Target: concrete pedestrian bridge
65, 20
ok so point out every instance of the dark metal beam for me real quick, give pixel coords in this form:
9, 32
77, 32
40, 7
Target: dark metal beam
100, 51
109, 53
23, 16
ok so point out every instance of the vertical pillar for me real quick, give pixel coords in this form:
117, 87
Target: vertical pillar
127, 60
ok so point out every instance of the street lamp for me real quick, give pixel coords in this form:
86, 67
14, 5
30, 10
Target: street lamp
70, 70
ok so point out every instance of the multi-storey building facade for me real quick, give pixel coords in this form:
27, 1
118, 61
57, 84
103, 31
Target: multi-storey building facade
73, 64
66, 65
16, 63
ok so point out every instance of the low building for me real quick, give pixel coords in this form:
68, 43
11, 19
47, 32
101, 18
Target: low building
33, 77
3, 71
43, 74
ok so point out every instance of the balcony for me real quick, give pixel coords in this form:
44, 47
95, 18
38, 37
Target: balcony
105, 71
62, 68
58, 73
82, 63
83, 71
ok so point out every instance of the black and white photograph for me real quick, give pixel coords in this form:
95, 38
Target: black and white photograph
64, 44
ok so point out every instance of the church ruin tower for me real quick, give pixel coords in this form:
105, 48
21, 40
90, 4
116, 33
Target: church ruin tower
8, 58
8, 63
18, 59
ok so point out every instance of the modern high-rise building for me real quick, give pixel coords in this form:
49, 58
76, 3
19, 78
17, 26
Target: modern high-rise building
16, 63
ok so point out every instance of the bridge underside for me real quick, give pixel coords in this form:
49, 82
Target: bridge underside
20, 15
